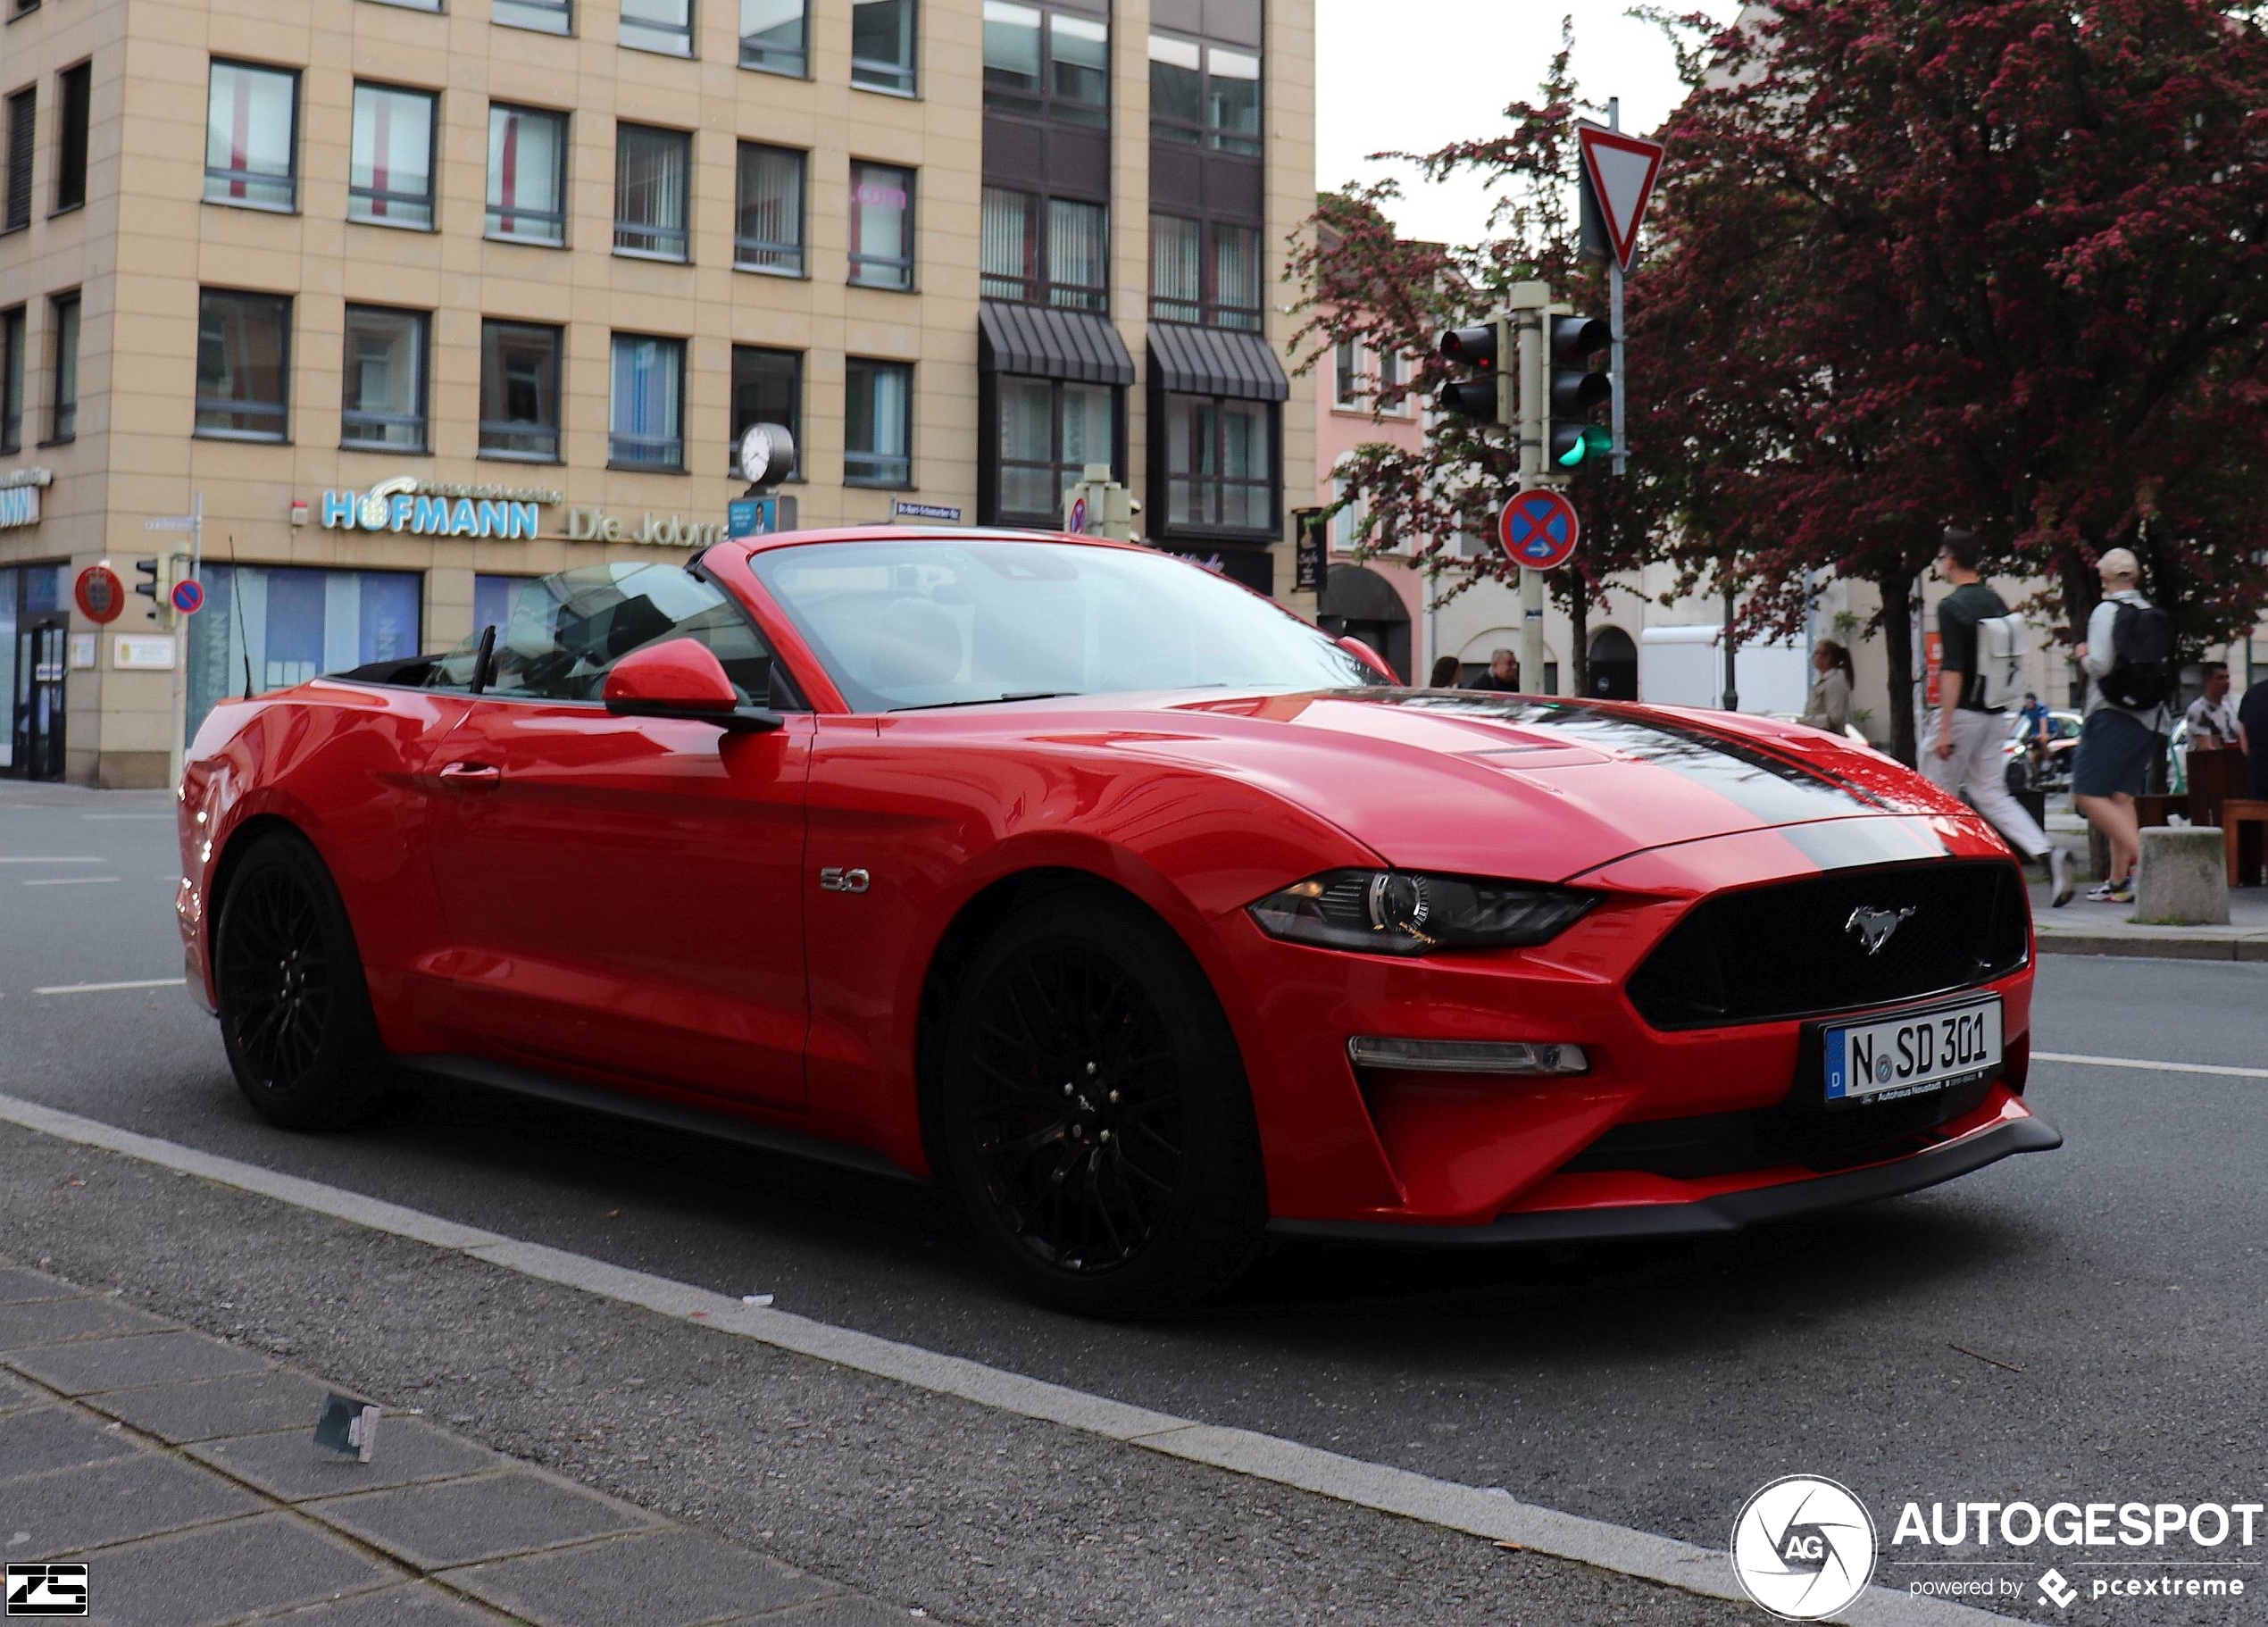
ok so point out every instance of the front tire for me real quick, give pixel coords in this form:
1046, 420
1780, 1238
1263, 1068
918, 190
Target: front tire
295, 1013
1095, 1115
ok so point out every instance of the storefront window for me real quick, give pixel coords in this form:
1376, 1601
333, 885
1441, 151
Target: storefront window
27, 740
1219, 464
1049, 432
293, 624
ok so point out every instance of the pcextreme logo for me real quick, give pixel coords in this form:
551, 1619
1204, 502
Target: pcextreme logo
1803, 1547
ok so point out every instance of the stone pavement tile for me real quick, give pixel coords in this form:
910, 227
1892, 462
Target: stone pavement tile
18, 1285
419, 1605
459, 1522
242, 1404
672, 1577
118, 1501
50, 1321
150, 1358
293, 1468
225, 1573
56, 1438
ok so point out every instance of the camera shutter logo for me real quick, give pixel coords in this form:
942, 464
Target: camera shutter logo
1803, 1547
49, 1590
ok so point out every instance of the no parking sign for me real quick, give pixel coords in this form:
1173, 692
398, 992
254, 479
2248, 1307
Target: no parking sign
189, 595
1539, 530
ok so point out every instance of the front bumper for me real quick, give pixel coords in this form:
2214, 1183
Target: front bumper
1710, 1216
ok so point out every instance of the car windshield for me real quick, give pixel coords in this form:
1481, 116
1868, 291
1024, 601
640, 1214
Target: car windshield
905, 625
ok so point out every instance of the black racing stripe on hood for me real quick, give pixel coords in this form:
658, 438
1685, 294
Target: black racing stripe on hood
1773, 788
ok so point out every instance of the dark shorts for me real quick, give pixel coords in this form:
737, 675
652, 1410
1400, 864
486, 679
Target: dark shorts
2113, 756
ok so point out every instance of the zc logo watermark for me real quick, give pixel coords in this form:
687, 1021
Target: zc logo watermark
47, 1589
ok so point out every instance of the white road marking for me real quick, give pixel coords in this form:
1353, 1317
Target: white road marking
147, 982
1687, 1566
69, 880
51, 861
2151, 1067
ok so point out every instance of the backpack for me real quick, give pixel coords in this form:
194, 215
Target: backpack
2000, 661
2142, 674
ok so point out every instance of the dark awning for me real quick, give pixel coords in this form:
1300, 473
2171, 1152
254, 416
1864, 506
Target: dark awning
1210, 361
1047, 344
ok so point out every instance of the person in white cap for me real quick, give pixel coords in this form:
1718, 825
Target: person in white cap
2129, 652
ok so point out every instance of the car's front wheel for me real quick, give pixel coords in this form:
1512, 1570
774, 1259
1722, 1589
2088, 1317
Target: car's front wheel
1095, 1115
295, 1013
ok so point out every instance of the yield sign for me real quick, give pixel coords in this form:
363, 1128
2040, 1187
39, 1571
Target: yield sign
1539, 530
1620, 171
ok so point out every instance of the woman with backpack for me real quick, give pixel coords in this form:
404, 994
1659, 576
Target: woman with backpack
2129, 652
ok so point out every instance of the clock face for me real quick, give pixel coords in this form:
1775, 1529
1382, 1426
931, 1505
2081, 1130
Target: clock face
756, 452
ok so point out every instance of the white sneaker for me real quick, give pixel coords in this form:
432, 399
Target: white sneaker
2059, 877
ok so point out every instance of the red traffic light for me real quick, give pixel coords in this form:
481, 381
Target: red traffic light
1471, 347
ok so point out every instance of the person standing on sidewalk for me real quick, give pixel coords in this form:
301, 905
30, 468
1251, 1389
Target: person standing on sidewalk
2129, 652
1962, 755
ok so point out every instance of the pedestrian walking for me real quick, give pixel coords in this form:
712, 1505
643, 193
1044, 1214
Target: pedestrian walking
1503, 675
1830, 706
2129, 652
2252, 734
1445, 673
1982, 647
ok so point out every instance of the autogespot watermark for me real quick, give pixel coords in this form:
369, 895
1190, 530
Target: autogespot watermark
1803, 1547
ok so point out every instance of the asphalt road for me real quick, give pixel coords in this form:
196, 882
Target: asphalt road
2088, 1325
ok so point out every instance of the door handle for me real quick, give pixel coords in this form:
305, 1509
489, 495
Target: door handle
470, 773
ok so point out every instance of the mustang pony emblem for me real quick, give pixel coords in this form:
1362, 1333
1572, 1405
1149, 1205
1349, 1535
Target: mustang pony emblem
1873, 926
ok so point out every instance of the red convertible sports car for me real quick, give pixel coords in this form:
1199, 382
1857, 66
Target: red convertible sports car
1134, 908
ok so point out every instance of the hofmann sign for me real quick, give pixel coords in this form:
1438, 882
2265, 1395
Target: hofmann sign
417, 508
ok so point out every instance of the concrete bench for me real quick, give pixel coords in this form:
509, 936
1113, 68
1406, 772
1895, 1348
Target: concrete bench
2184, 880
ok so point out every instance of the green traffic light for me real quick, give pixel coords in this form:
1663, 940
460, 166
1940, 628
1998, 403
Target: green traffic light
1593, 438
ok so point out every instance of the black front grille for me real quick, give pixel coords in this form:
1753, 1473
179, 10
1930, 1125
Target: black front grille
1790, 950
1801, 1130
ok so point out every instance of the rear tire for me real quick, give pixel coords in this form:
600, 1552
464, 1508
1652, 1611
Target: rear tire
295, 1013
1094, 1113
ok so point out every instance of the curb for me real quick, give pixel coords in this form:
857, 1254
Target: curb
2220, 945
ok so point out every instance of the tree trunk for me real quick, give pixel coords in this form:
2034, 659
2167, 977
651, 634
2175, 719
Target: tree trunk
1898, 640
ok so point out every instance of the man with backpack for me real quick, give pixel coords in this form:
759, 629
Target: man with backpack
2129, 652
1979, 677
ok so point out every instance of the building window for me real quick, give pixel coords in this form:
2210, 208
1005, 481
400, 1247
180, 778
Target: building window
658, 25
767, 387
1355, 389
653, 175
1206, 272
1049, 432
772, 39
768, 215
282, 626
520, 391
63, 312
390, 174
1204, 95
646, 414
1067, 264
251, 134
1219, 465
878, 424
242, 365
23, 128
11, 331
527, 175
546, 16
882, 44
1047, 64
382, 402
74, 87
881, 225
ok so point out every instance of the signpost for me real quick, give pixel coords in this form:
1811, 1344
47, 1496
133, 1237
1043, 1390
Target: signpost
193, 522
1539, 530
1618, 173
101, 596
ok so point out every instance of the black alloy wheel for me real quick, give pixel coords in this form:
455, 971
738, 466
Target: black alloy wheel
1096, 1121
295, 1013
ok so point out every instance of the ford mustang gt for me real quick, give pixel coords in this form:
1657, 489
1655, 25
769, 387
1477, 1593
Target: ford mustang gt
1143, 914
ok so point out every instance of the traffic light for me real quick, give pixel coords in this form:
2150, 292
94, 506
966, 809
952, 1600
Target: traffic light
1486, 397
156, 585
1582, 394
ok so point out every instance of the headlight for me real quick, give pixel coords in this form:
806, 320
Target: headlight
1392, 912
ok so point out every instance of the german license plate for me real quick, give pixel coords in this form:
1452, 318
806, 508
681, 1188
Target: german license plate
1888, 1057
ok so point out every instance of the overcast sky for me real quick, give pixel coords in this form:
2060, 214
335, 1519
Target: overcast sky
1413, 75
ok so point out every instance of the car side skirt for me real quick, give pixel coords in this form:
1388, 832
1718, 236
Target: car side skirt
1727, 1212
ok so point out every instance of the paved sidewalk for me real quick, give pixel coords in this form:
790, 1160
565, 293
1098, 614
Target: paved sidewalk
2080, 928
181, 1471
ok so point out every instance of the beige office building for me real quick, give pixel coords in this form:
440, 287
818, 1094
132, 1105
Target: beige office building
414, 301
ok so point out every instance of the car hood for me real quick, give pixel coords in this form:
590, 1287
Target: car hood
1510, 785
